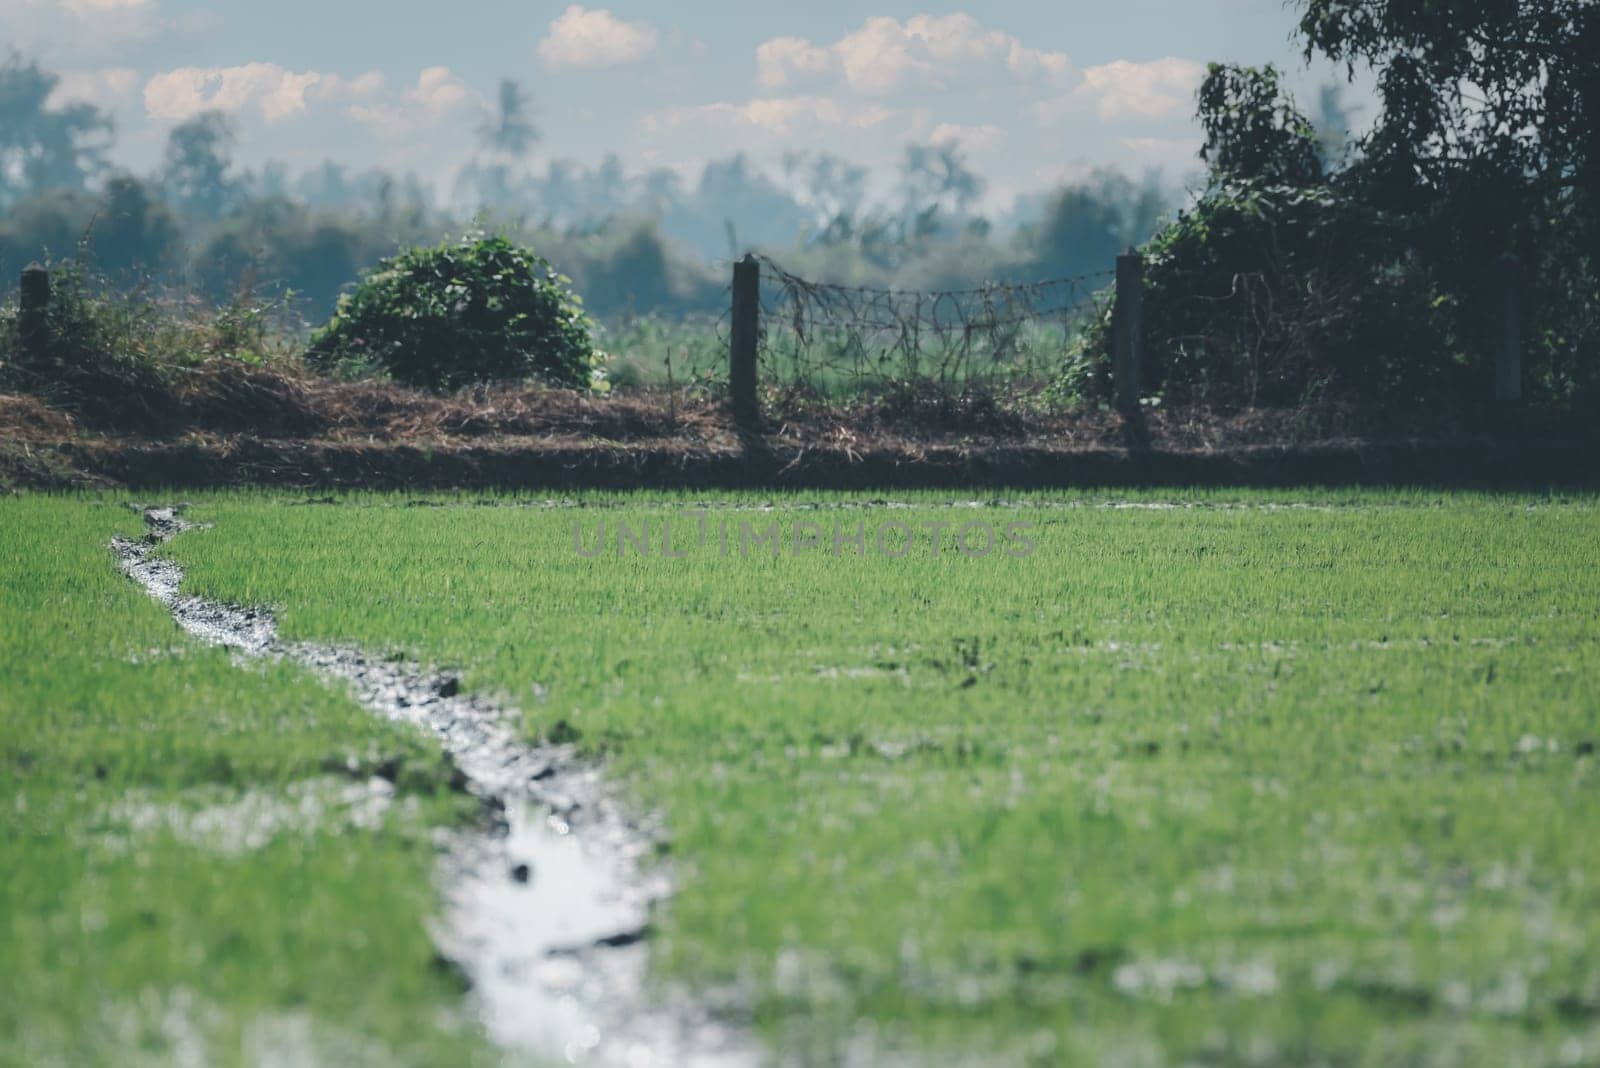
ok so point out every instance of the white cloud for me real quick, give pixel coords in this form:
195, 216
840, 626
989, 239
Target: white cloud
438, 96
1159, 89
583, 39
887, 56
426, 124
276, 94
438, 92
783, 61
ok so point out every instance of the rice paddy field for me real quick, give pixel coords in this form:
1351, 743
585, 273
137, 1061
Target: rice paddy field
1180, 778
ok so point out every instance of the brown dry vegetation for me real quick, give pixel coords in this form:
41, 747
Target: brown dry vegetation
227, 397
223, 422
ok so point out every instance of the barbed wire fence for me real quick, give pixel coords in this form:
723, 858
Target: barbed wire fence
842, 342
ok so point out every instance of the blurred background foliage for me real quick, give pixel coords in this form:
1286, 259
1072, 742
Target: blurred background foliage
649, 244
1322, 254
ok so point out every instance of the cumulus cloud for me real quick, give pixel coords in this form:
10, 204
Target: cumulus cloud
785, 61
439, 92
887, 56
426, 123
437, 97
584, 39
1159, 89
276, 94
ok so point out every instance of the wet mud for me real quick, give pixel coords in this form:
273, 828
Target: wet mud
548, 903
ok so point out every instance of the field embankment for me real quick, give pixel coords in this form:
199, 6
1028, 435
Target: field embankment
240, 428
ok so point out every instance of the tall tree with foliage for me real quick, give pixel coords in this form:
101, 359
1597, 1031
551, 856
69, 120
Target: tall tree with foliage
1501, 87
1253, 131
509, 130
1379, 273
508, 135
44, 146
1488, 139
935, 179
196, 170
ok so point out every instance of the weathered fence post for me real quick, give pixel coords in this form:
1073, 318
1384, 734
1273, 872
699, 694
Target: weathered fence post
743, 340
33, 328
1508, 353
1128, 330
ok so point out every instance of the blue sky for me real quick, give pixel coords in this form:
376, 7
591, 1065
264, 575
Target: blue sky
1034, 92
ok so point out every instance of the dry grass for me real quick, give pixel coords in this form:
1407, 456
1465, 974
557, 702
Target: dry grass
226, 397
25, 418
223, 421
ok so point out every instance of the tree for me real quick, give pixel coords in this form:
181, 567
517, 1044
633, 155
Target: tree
1088, 223
133, 231
935, 178
663, 189
48, 224
733, 191
44, 147
1374, 272
509, 134
510, 131
1487, 141
195, 173
833, 188
1509, 88
1253, 130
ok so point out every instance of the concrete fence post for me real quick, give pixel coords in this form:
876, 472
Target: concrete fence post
1128, 330
33, 309
1508, 349
744, 336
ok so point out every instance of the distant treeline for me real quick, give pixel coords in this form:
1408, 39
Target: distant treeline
632, 245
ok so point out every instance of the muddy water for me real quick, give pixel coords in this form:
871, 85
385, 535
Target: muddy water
547, 910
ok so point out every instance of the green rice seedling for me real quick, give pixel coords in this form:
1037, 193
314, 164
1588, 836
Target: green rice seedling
1292, 777
199, 866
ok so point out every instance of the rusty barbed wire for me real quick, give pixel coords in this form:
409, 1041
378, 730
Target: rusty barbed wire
831, 338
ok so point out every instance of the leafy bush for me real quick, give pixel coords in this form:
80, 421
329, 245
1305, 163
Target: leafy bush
1290, 281
1268, 294
477, 310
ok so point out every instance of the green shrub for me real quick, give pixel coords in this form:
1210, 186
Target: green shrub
1377, 281
478, 310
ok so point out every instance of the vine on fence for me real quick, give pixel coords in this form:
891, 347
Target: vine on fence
838, 340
